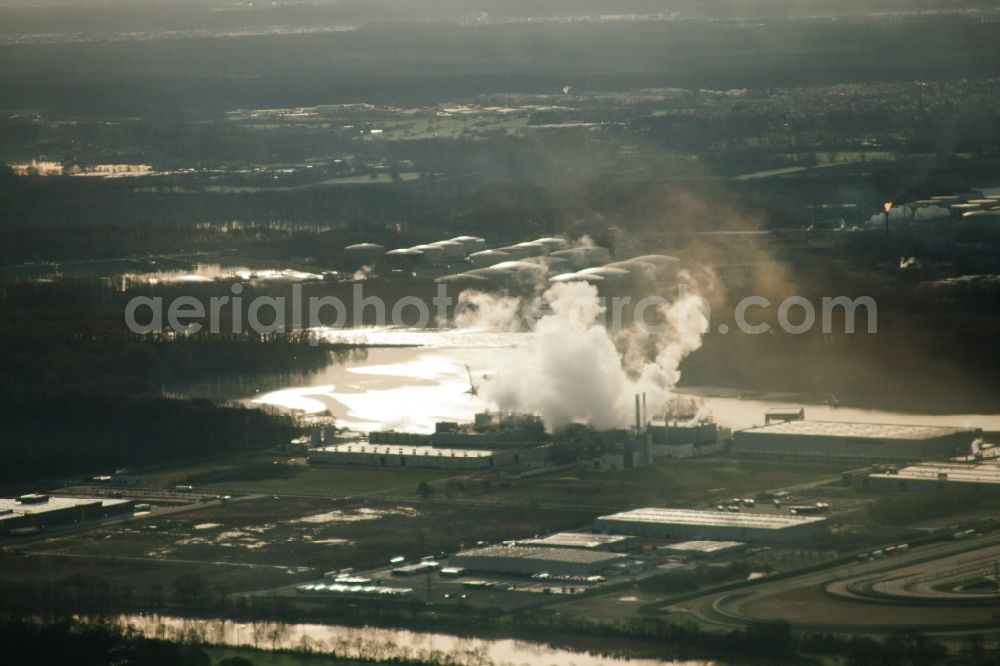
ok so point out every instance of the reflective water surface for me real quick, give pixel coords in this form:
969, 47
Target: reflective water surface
380, 643
409, 388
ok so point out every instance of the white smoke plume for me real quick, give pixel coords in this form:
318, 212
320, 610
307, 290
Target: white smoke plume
363, 273
480, 310
576, 369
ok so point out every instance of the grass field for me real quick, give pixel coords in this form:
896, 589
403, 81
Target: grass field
278, 475
679, 483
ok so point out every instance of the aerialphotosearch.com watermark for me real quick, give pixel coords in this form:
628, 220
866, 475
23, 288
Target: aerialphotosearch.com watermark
652, 314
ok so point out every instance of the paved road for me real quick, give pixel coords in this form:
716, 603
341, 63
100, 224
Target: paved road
728, 608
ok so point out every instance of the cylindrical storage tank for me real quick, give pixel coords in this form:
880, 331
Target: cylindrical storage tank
363, 253
487, 258
576, 257
947, 199
534, 249
607, 273
650, 266
452, 250
471, 243
463, 281
661, 261
521, 266
959, 209
982, 202
495, 277
516, 252
982, 216
432, 253
552, 243
576, 277
404, 258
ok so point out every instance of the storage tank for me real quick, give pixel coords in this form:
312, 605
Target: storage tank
432, 253
363, 253
607, 273
404, 258
576, 277
534, 248
552, 243
981, 216
452, 249
577, 257
471, 243
487, 258
495, 277
516, 252
463, 281
959, 209
650, 267
528, 267
661, 261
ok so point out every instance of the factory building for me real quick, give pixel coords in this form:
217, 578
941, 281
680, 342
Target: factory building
687, 439
782, 414
853, 442
529, 560
394, 455
950, 477
700, 524
606, 542
37, 511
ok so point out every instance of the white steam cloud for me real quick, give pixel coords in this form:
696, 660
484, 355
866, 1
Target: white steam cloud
574, 368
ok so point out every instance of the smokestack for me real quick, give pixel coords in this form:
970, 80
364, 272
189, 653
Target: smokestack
638, 415
887, 206
645, 414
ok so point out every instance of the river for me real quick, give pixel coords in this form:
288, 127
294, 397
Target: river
379, 643
410, 388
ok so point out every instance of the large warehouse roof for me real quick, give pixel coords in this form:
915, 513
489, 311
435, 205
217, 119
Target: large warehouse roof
578, 540
571, 555
711, 518
704, 547
856, 430
952, 473
13, 507
406, 450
